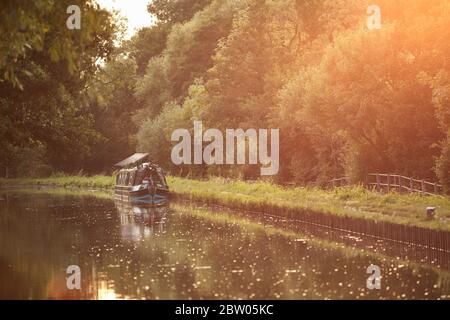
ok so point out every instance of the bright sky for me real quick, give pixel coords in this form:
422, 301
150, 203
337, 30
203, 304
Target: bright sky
135, 11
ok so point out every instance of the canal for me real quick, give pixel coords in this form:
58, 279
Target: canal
189, 251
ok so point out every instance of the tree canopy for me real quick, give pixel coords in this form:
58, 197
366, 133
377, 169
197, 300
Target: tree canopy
348, 99
44, 70
335, 88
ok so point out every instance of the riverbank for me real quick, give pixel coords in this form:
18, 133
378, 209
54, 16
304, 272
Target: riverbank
97, 182
351, 202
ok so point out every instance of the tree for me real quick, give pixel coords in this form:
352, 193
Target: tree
113, 105
40, 26
365, 82
176, 11
147, 44
187, 56
43, 72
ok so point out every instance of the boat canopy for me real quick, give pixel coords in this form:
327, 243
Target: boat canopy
133, 160
136, 175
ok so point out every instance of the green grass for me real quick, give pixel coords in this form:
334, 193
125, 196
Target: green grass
60, 191
100, 182
356, 202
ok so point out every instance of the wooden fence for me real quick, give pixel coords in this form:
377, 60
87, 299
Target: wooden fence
394, 182
339, 182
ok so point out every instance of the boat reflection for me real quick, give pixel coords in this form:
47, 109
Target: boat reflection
139, 222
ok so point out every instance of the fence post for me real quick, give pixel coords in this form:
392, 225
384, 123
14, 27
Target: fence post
399, 184
378, 182
388, 183
435, 188
423, 186
410, 185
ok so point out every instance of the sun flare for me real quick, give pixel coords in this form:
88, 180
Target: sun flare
134, 11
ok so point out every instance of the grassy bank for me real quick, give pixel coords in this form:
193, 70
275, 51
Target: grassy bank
355, 202
100, 182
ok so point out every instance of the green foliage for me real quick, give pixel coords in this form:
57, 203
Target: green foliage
174, 11
313, 69
154, 134
348, 100
147, 44
112, 105
40, 26
44, 68
346, 106
31, 161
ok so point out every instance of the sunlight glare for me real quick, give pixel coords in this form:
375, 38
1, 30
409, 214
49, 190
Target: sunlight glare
134, 11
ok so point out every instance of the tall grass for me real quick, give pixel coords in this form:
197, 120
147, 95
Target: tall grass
355, 201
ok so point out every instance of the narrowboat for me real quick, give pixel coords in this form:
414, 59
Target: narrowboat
144, 184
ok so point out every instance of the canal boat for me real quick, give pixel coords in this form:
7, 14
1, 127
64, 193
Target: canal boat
143, 184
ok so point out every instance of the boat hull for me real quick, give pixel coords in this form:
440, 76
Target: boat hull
142, 197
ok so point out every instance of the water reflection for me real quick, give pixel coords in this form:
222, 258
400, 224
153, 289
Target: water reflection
138, 222
188, 253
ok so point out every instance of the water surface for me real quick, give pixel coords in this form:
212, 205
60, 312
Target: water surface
190, 252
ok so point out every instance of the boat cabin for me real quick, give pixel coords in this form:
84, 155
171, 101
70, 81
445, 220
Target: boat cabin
141, 183
138, 175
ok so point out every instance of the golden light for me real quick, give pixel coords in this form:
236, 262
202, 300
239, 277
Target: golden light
105, 292
134, 11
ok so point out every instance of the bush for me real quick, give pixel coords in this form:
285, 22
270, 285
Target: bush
31, 162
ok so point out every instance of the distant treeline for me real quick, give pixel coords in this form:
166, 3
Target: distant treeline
347, 100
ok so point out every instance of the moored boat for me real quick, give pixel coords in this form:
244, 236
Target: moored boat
144, 184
